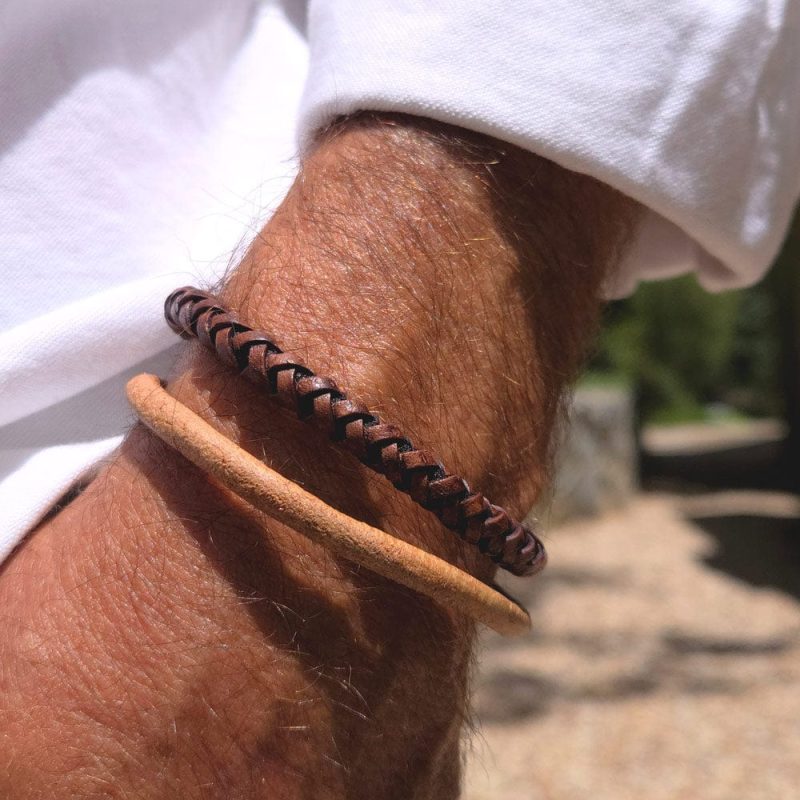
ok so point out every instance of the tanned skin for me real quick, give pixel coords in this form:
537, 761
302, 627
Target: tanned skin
161, 639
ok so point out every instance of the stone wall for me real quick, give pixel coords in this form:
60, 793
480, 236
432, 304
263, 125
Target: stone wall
596, 464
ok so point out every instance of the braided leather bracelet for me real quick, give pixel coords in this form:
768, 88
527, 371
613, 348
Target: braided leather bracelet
378, 445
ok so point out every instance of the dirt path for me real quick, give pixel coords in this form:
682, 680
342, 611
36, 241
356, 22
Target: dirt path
665, 663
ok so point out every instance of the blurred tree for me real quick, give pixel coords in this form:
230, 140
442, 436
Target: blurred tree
784, 284
684, 349
753, 382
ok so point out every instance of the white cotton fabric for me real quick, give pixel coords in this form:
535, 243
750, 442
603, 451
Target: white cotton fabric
141, 146
143, 143
691, 107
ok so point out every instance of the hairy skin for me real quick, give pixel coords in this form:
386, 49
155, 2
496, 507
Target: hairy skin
162, 639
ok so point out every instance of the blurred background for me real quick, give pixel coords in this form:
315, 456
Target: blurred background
665, 655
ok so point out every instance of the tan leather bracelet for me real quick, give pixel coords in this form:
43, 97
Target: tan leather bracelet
381, 446
285, 501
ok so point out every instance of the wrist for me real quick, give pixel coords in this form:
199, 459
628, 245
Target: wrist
432, 204
342, 277
184, 641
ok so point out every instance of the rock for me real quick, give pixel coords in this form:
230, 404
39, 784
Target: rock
596, 466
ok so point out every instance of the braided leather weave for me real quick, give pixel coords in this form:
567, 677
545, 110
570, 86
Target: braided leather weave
381, 446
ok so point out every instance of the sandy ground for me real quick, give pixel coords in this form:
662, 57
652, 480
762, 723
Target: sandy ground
664, 663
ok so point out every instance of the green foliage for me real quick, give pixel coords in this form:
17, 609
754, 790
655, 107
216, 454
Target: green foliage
685, 348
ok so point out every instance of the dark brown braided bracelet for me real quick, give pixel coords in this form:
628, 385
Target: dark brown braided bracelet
381, 446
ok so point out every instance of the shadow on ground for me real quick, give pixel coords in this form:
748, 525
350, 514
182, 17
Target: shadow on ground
511, 695
756, 547
760, 550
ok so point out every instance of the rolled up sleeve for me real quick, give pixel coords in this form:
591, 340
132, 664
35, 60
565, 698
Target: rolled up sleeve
691, 108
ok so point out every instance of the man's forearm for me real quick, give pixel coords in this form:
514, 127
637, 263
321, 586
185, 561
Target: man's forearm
186, 645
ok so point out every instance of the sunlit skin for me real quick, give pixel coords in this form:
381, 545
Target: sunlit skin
162, 639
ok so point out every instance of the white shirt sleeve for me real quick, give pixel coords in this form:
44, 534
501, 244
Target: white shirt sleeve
141, 146
690, 107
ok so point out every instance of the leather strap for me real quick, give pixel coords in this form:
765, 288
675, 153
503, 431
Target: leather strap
381, 446
285, 501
